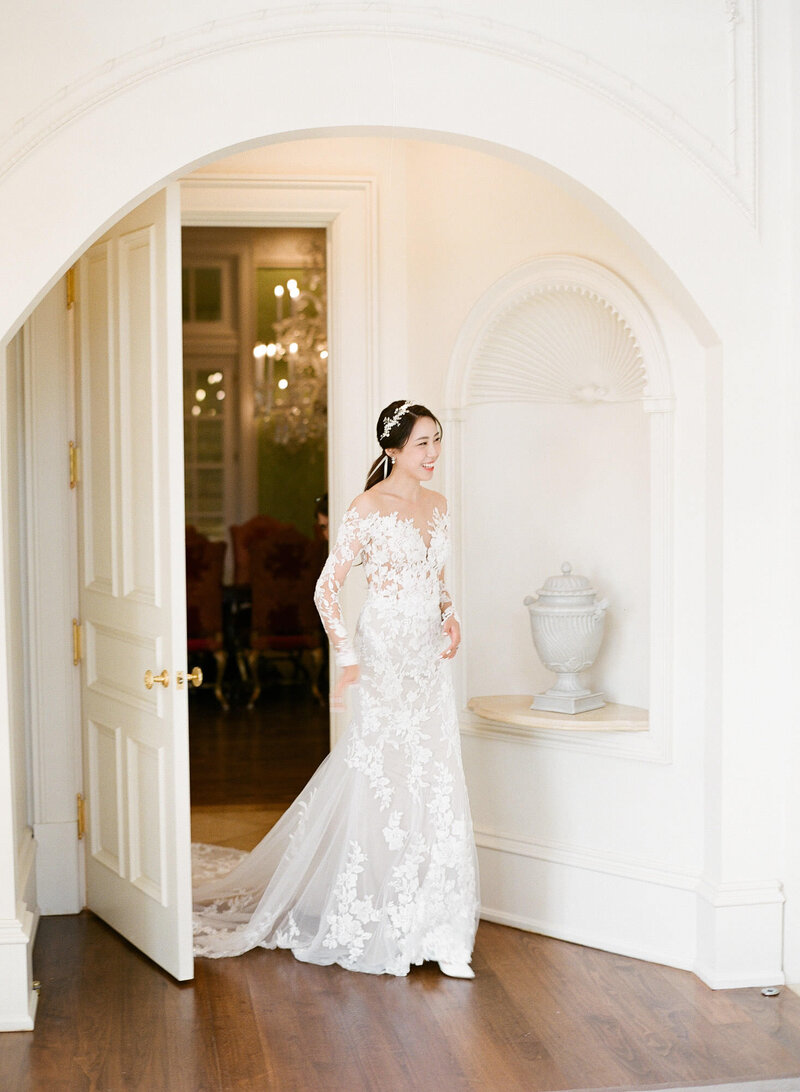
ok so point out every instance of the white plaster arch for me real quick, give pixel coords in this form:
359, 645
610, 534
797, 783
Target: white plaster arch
722, 157
116, 133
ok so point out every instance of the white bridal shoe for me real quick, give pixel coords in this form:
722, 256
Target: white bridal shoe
457, 970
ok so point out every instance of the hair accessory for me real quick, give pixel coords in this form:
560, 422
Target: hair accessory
395, 419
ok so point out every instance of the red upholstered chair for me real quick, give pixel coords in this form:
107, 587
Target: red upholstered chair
283, 572
205, 561
244, 536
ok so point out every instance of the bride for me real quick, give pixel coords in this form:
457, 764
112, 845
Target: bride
373, 866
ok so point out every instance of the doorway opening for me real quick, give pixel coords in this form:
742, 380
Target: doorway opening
255, 349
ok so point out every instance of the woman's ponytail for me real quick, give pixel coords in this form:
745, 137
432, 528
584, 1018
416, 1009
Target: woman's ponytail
378, 471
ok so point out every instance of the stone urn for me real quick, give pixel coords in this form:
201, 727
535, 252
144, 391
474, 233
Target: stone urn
567, 623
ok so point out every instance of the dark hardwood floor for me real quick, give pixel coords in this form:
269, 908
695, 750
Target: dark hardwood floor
247, 766
541, 1014
264, 756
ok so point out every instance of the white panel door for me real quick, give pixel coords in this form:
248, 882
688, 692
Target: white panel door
132, 581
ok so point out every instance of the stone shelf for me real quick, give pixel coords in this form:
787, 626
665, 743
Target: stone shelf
515, 709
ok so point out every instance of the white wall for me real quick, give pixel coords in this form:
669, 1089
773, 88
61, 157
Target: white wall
545, 485
641, 118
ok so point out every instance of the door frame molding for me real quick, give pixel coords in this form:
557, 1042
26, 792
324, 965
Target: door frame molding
347, 208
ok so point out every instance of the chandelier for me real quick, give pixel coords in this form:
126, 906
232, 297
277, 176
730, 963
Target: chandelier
291, 371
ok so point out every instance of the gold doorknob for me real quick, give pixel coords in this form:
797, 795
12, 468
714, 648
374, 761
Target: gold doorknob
150, 679
194, 677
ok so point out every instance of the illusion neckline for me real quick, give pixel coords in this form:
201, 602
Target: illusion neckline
435, 518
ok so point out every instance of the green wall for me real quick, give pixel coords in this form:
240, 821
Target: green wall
289, 479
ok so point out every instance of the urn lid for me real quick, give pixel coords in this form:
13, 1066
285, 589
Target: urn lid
567, 584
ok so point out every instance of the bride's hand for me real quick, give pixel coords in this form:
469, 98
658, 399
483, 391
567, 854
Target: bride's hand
348, 677
452, 629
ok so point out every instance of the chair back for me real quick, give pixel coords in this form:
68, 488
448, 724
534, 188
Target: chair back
205, 562
283, 572
244, 536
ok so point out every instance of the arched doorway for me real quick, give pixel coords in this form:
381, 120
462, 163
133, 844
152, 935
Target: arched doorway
420, 311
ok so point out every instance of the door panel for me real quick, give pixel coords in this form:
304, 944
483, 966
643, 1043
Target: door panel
138, 866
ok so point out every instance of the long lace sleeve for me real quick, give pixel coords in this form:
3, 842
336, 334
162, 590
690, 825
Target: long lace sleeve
446, 601
326, 595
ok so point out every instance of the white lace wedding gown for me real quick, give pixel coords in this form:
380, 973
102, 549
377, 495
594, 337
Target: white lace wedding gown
373, 866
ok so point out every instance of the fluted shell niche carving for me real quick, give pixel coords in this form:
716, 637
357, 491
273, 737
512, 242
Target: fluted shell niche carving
559, 343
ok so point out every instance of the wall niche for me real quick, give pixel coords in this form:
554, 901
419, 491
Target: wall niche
561, 389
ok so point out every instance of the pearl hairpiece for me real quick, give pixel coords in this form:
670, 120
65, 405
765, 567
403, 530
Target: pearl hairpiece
395, 419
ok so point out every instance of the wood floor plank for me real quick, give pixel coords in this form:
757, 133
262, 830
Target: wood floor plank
545, 977
191, 1053
519, 968
494, 1051
717, 1006
400, 1007
382, 1060
260, 756
654, 1015
233, 1024
695, 1046
303, 1021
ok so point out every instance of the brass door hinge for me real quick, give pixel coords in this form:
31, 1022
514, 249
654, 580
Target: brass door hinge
70, 288
77, 642
81, 816
73, 464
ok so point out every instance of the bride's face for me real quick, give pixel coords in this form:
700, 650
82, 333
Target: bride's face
420, 452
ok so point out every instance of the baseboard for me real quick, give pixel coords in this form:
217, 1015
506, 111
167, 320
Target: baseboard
733, 981
585, 938
740, 934
18, 999
728, 934
26, 1020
